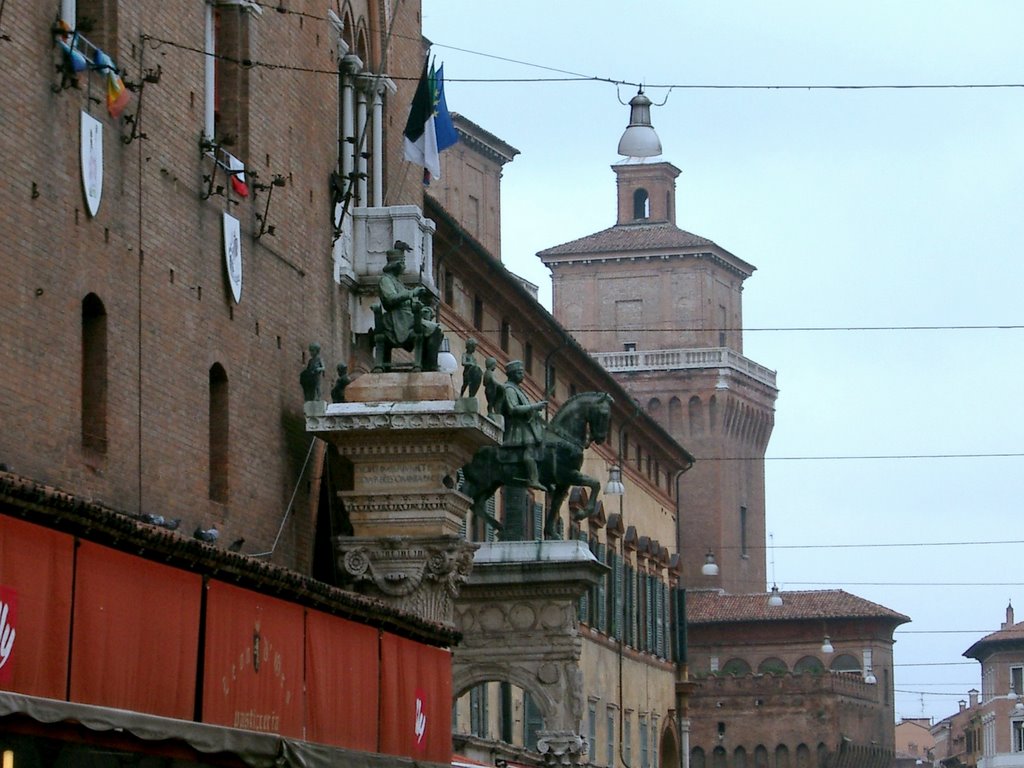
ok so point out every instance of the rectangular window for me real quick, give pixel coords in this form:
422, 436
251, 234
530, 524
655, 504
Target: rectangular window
609, 737
449, 288
629, 624
97, 21
642, 736
478, 313
533, 721
1017, 680
507, 713
615, 601
654, 740
1018, 735
627, 738
506, 332
478, 711
528, 357
592, 731
585, 598
230, 78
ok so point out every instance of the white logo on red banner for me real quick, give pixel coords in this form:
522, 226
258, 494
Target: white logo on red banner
8, 618
421, 719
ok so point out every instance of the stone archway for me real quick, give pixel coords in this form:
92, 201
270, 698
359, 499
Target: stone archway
668, 748
518, 619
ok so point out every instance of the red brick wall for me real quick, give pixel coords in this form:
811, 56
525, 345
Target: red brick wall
153, 255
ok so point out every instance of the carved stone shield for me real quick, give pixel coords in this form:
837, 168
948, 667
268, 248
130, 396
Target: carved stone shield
233, 255
92, 162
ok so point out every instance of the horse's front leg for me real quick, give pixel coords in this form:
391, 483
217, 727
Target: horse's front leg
595, 488
555, 500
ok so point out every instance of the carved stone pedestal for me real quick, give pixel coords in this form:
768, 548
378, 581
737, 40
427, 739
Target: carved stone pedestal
406, 436
518, 618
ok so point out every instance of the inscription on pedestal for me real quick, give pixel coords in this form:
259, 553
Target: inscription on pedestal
375, 476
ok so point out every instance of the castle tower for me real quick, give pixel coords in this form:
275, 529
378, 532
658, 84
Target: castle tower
661, 309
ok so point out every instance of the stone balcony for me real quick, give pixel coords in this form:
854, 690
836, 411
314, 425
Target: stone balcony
639, 361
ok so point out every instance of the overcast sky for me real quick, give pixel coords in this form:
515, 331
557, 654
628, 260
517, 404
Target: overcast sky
880, 208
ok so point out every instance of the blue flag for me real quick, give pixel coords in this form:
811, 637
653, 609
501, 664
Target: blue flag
429, 129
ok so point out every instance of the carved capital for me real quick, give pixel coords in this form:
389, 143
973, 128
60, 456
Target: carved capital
561, 748
422, 576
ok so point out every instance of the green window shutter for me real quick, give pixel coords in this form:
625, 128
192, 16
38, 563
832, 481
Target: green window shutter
618, 603
538, 521
650, 612
630, 627
602, 592
659, 619
584, 603
492, 510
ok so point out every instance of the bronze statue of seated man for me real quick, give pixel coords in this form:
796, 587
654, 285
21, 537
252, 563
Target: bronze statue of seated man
405, 320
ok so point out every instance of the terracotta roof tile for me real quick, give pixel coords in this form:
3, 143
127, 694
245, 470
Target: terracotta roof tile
630, 237
712, 607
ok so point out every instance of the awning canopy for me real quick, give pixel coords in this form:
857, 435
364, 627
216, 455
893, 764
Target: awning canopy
259, 750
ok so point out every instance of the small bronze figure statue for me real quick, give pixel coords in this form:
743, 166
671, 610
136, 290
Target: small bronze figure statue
402, 318
343, 380
471, 373
492, 389
524, 428
312, 374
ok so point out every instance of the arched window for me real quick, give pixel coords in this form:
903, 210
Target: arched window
675, 416
696, 416
641, 204
94, 374
782, 756
654, 408
713, 412
772, 666
822, 756
719, 758
844, 662
739, 758
809, 664
219, 434
760, 757
803, 757
736, 668
697, 758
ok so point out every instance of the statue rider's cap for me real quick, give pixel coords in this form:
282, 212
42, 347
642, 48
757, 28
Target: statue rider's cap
397, 253
513, 364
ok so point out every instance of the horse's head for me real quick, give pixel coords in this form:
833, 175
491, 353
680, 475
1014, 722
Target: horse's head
585, 417
600, 417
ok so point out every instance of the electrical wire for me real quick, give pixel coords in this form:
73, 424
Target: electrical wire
256, 63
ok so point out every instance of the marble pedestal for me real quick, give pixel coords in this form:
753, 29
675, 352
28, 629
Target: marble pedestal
407, 436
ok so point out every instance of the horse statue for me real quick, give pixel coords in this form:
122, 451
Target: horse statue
582, 420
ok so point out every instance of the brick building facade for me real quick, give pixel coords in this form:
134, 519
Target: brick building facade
168, 263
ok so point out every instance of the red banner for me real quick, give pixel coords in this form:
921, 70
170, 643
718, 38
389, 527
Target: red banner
253, 677
416, 700
342, 667
36, 571
136, 633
